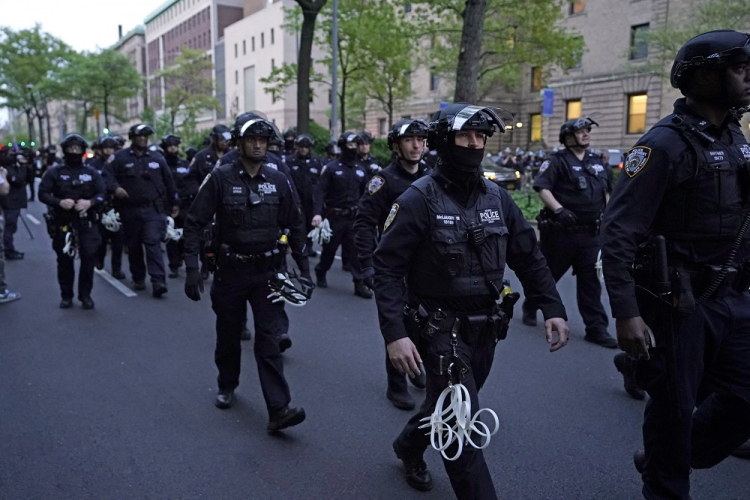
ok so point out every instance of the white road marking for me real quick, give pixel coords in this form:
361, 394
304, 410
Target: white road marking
33, 219
337, 257
116, 283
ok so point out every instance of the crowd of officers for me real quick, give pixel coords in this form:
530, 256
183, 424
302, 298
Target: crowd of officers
432, 237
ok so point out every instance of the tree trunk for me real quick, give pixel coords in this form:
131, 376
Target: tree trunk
106, 110
39, 118
30, 124
49, 127
342, 103
390, 108
471, 48
82, 128
310, 10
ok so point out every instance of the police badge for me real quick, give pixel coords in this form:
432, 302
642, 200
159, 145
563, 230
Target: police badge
391, 216
636, 160
375, 184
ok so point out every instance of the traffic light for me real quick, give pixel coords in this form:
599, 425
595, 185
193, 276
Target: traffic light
33, 144
23, 143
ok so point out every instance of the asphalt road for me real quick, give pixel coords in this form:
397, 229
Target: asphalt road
117, 403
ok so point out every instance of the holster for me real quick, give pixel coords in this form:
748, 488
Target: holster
52, 227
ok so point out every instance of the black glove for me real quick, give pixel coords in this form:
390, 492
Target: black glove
565, 217
369, 277
194, 284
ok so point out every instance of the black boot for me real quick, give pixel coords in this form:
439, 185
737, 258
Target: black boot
417, 475
361, 290
285, 342
401, 400
286, 417
225, 399
603, 339
320, 277
625, 365
87, 303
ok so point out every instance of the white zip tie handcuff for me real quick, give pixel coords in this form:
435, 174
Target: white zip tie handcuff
442, 433
71, 242
174, 234
111, 221
321, 234
599, 268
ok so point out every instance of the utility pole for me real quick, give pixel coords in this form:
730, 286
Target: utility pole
334, 69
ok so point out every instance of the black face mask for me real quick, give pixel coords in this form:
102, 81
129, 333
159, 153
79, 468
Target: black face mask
73, 159
288, 145
348, 155
466, 160
171, 158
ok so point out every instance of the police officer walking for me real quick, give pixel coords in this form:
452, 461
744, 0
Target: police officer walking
678, 219
19, 173
107, 147
305, 169
406, 139
5, 294
74, 192
371, 163
443, 252
144, 188
205, 160
339, 189
186, 187
574, 188
254, 207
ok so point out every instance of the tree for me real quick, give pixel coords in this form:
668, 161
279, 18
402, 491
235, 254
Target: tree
470, 51
189, 86
513, 34
73, 82
310, 10
114, 80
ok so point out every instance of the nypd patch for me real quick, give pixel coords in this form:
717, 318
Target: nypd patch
391, 216
544, 166
375, 184
636, 160
745, 150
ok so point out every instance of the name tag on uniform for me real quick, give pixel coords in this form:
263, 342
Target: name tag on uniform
360, 173
745, 150
339, 172
577, 168
489, 216
267, 188
715, 156
182, 170
128, 165
272, 165
237, 190
295, 167
313, 170
64, 177
598, 167
153, 164
84, 178
446, 220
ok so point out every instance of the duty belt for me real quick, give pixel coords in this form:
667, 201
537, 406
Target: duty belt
343, 212
227, 256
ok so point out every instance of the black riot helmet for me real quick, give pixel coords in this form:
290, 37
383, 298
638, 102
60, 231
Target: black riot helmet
406, 128
718, 49
108, 142
332, 148
190, 153
120, 141
275, 143
71, 140
51, 149
170, 140
252, 125
221, 132
347, 137
291, 133
304, 141
26, 153
570, 127
366, 137
140, 129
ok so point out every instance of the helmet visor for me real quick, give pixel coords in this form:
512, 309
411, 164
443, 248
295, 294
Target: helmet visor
466, 115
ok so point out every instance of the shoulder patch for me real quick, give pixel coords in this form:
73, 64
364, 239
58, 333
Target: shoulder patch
544, 166
391, 216
636, 160
204, 181
375, 184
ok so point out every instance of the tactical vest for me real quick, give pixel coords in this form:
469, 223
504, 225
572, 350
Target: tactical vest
589, 189
709, 203
445, 265
75, 184
246, 227
141, 177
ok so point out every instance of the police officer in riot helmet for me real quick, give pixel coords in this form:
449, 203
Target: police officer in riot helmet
441, 259
340, 186
406, 140
289, 136
74, 192
332, 151
305, 171
372, 164
105, 151
120, 142
251, 243
677, 221
20, 171
190, 153
205, 160
574, 187
145, 192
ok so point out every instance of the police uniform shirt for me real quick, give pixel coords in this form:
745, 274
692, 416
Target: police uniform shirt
18, 176
77, 183
580, 186
371, 164
146, 178
299, 170
183, 181
247, 226
203, 162
340, 186
410, 226
675, 184
375, 204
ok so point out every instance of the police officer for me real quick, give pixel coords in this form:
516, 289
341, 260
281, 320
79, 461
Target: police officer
74, 192
5, 294
144, 188
190, 153
339, 189
275, 145
332, 151
305, 169
253, 205
289, 136
680, 212
187, 188
205, 160
107, 147
444, 248
19, 173
574, 188
371, 163
50, 158
406, 139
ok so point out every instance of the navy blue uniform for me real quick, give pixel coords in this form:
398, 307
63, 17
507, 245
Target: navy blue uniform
116, 238
247, 232
187, 188
62, 182
371, 164
688, 181
424, 255
204, 162
336, 198
151, 192
14, 201
300, 171
580, 186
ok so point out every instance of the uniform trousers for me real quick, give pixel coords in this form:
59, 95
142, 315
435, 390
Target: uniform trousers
116, 239
3, 284
710, 415
88, 246
176, 249
231, 290
145, 227
343, 235
468, 474
11, 226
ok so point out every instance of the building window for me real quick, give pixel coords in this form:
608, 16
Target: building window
577, 6
573, 109
330, 97
536, 79
407, 7
235, 50
434, 80
252, 44
273, 64
535, 130
262, 40
271, 36
639, 41
381, 127
236, 77
637, 113
244, 47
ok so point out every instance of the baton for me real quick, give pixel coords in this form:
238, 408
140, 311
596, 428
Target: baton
23, 219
